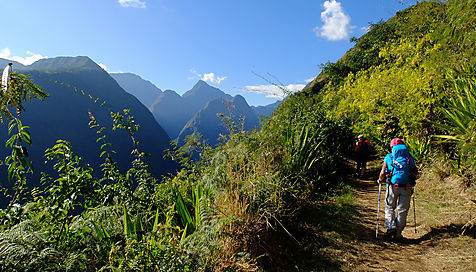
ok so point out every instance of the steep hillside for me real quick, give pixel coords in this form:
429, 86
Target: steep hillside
173, 111
64, 115
412, 23
211, 126
282, 198
391, 81
169, 110
143, 89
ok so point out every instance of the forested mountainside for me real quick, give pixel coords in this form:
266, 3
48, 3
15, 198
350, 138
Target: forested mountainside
250, 203
79, 90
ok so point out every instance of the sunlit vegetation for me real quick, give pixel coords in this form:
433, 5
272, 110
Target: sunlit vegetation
222, 209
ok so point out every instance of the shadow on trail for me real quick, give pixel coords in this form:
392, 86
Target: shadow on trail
337, 232
452, 230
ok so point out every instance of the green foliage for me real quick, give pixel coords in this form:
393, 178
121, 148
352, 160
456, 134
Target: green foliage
19, 249
419, 148
117, 221
254, 177
18, 162
73, 188
420, 19
138, 174
312, 143
459, 31
394, 99
412, 23
74, 180
209, 215
459, 111
399, 93
127, 123
247, 177
20, 89
199, 202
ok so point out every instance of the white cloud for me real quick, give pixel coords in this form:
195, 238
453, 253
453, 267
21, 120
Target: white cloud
5, 53
210, 77
336, 22
275, 91
132, 3
104, 67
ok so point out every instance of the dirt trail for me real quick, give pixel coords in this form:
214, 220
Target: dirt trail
440, 248
337, 233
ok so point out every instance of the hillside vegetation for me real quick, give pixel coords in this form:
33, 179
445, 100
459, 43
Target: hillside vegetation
236, 209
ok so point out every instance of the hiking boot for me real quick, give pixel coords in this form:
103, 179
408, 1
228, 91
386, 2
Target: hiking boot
399, 239
390, 234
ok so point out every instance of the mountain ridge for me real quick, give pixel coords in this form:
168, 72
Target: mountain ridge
211, 126
171, 110
134, 84
74, 92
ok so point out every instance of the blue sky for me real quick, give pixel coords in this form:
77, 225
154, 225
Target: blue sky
241, 47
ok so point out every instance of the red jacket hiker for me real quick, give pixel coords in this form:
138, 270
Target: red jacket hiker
362, 152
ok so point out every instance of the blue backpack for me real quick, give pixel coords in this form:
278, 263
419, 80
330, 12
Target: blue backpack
400, 164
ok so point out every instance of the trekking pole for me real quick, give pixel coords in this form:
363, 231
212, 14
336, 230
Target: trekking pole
414, 212
378, 207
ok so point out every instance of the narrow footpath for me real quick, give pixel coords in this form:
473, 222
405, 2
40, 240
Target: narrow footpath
337, 233
425, 248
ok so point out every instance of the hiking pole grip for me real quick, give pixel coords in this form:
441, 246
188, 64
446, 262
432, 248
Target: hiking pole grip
378, 207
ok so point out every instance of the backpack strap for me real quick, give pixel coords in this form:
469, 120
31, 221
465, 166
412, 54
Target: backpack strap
389, 172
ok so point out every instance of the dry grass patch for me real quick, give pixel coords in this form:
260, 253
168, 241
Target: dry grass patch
443, 199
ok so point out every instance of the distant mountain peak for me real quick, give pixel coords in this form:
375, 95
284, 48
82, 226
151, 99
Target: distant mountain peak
171, 92
207, 123
16, 65
64, 63
239, 98
202, 89
201, 83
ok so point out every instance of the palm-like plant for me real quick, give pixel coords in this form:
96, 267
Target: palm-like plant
459, 111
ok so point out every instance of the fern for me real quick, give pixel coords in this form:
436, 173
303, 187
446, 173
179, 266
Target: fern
24, 247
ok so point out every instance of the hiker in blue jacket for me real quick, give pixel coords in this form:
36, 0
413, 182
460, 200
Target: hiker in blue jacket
399, 172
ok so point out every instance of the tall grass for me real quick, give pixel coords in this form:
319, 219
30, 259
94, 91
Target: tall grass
254, 178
